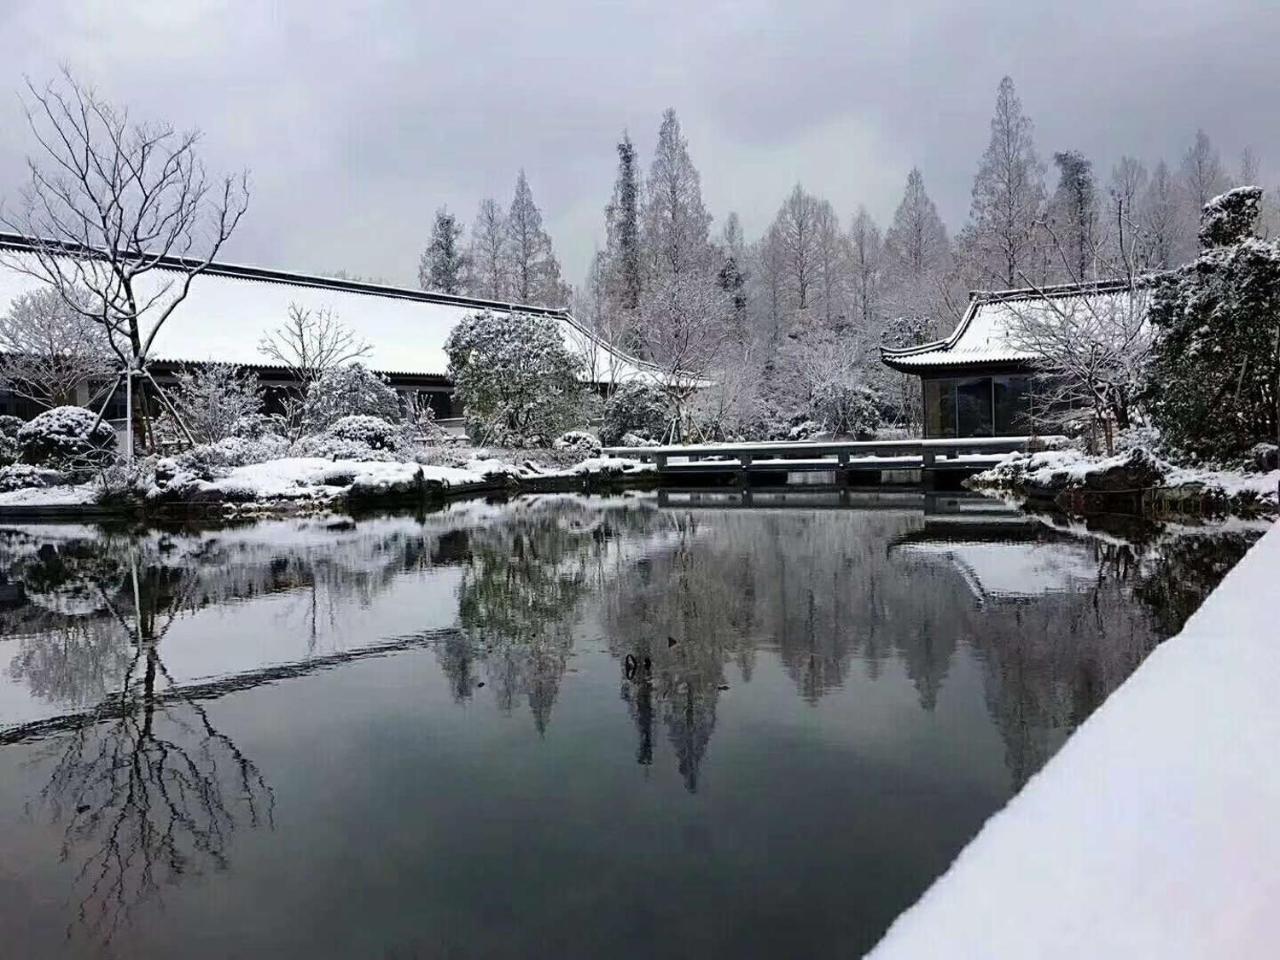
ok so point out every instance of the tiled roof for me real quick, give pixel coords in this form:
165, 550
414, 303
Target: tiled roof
229, 309
983, 335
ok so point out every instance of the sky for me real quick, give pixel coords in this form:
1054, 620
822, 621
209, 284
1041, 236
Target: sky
357, 121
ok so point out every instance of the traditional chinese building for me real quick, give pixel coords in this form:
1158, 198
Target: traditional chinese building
979, 381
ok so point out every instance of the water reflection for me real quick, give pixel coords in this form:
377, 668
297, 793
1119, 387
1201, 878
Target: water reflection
118, 645
144, 786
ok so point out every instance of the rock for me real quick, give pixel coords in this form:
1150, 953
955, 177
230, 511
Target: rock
1135, 470
1265, 457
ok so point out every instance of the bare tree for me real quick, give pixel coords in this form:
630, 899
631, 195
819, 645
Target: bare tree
122, 210
311, 342
487, 274
1093, 344
49, 351
308, 344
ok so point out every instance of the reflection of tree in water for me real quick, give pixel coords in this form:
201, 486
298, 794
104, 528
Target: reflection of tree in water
523, 579
147, 788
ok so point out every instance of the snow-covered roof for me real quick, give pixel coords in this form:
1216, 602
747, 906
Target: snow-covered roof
984, 336
1013, 570
230, 308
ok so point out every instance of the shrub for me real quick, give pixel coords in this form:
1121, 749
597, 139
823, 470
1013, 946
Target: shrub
373, 432
516, 378
637, 408
348, 391
66, 437
578, 441
356, 437
213, 397
9, 427
847, 410
256, 426
22, 476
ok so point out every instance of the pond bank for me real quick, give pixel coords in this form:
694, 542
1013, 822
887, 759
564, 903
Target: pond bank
303, 485
1134, 483
1151, 833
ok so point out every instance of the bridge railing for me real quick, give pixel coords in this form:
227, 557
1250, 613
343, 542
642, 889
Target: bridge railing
926, 452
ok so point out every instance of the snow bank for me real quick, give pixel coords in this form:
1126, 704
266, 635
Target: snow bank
1055, 471
56, 496
1152, 833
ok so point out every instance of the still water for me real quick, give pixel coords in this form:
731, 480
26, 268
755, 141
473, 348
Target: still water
644, 726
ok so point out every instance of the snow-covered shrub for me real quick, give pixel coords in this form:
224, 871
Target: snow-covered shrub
635, 440
212, 397
517, 379
348, 391
637, 408
1264, 457
357, 437
23, 476
66, 436
420, 423
846, 409
1215, 365
804, 430
9, 427
579, 441
373, 432
255, 426
211, 460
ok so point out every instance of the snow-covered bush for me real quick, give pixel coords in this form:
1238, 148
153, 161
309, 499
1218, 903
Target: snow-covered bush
23, 476
255, 426
517, 380
348, 391
357, 437
635, 440
373, 432
846, 409
211, 460
579, 441
804, 430
9, 427
66, 436
213, 397
1215, 366
636, 408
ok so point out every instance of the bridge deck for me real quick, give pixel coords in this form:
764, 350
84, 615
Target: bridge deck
968, 455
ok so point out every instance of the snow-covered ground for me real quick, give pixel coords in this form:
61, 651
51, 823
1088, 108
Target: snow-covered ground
1070, 469
315, 479
1152, 833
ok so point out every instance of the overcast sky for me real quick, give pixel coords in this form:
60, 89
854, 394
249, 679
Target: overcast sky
357, 121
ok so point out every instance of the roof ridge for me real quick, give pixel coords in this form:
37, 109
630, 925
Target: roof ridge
17, 241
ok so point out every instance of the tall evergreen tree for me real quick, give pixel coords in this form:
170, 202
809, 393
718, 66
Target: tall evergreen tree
1002, 243
489, 264
866, 264
1074, 217
443, 264
676, 224
534, 271
733, 274
1202, 175
1162, 219
624, 278
917, 254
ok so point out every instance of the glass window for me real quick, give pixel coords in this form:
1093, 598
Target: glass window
933, 390
973, 407
1012, 397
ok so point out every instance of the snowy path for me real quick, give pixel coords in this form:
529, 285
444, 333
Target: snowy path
1155, 832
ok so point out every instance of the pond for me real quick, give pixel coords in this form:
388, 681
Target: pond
654, 725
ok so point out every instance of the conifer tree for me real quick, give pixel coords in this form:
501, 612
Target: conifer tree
443, 263
1002, 243
534, 271
487, 260
1074, 217
917, 253
622, 225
